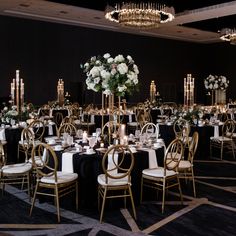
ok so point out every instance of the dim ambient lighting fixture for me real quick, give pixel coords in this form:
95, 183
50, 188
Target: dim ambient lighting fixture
140, 14
229, 35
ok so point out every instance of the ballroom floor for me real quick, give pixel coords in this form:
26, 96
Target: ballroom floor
213, 212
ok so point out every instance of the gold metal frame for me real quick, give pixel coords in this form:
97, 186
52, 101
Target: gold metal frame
188, 173
45, 153
226, 140
124, 172
66, 128
174, 153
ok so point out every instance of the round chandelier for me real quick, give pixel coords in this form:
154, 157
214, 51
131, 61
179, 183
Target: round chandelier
142, 15
228, 34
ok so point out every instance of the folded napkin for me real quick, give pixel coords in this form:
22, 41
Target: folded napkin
50, 129
2, 134
67, 162
92, 119
130, 118
112, 163
216, 131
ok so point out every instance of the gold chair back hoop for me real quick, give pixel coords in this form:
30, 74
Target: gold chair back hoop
228, 128
115, 161
38, 129
173, 154
67, 128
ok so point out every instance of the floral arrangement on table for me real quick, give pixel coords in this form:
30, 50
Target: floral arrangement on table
216, 82
110, 75
9, 114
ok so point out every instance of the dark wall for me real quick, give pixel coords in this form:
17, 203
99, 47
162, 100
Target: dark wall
45, 52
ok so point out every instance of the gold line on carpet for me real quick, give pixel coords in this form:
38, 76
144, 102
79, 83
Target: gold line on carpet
192, 205
28, 226
134, 227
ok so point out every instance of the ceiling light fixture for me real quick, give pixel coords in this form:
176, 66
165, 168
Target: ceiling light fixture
142, 15
229, 35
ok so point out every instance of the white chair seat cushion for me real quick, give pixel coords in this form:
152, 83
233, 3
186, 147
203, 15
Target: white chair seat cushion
158, 172
184, 164
132, 123
38, 161
221, 139
19, 168
112, 182
62, 177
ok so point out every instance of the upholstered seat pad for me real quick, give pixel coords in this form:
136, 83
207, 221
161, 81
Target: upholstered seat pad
132, 123
112, 182
158, 172
62, 177
19, 168
38, 161
221, 139
184, 164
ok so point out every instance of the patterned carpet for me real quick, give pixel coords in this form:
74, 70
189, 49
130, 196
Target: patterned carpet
213, 212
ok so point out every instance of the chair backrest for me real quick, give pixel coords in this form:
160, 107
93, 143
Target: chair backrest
110, 127
57, 118
193, 146
47, 156
228, 128
181, 128
38, 129
151, 130
67, 128
67, 119
173, 155
27, 141
118, 162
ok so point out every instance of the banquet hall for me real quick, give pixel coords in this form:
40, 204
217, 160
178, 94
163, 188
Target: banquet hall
117, 117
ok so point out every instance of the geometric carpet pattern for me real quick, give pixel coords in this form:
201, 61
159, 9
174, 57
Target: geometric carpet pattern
213, 212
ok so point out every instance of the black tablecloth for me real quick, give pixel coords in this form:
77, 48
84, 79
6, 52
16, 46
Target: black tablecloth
88, 167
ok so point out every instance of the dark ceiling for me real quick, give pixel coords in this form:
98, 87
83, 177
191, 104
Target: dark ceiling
213, 25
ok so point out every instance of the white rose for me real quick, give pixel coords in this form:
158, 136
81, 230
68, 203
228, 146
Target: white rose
132, 75
122, 68
130, 59
105, 83
107, 92
5, 109
216, 86
107, 55
113, 71
105, 74
135, 81
98, 62
86, 65
119, 58
211, 86
136, 69
122, 88
94, 71
110, 60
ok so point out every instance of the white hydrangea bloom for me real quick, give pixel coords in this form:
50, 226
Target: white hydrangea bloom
119, 58
106, 55
122, 68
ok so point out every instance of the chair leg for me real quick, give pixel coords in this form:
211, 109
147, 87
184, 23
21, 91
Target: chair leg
33, 201
163, 195
180, 191
221, 151
103, 203
193, 180
57, 203
141, 191
132, 202
76, 195
232, 145
210, 150
125, 198
29, 185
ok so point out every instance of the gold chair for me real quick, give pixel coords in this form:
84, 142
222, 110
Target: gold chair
58, 118
185, 167
66, 128
110, 129
163, 178
182, 130
60, 183
38, 128
116, 180
150, 130
225, 141
14, 174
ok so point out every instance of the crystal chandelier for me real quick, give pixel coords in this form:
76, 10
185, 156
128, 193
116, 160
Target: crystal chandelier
229, 35
142, 15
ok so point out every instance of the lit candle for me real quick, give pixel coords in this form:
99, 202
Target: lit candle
125, 140
122, 131
85, 136
102, 145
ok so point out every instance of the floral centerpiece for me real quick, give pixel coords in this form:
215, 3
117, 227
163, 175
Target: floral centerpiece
9, 114
110, 75
216, 82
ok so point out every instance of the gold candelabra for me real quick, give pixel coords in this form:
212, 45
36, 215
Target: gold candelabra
152, 91
189, 90
60, 92
17, 91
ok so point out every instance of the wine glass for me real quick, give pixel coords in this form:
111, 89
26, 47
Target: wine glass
92, 141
